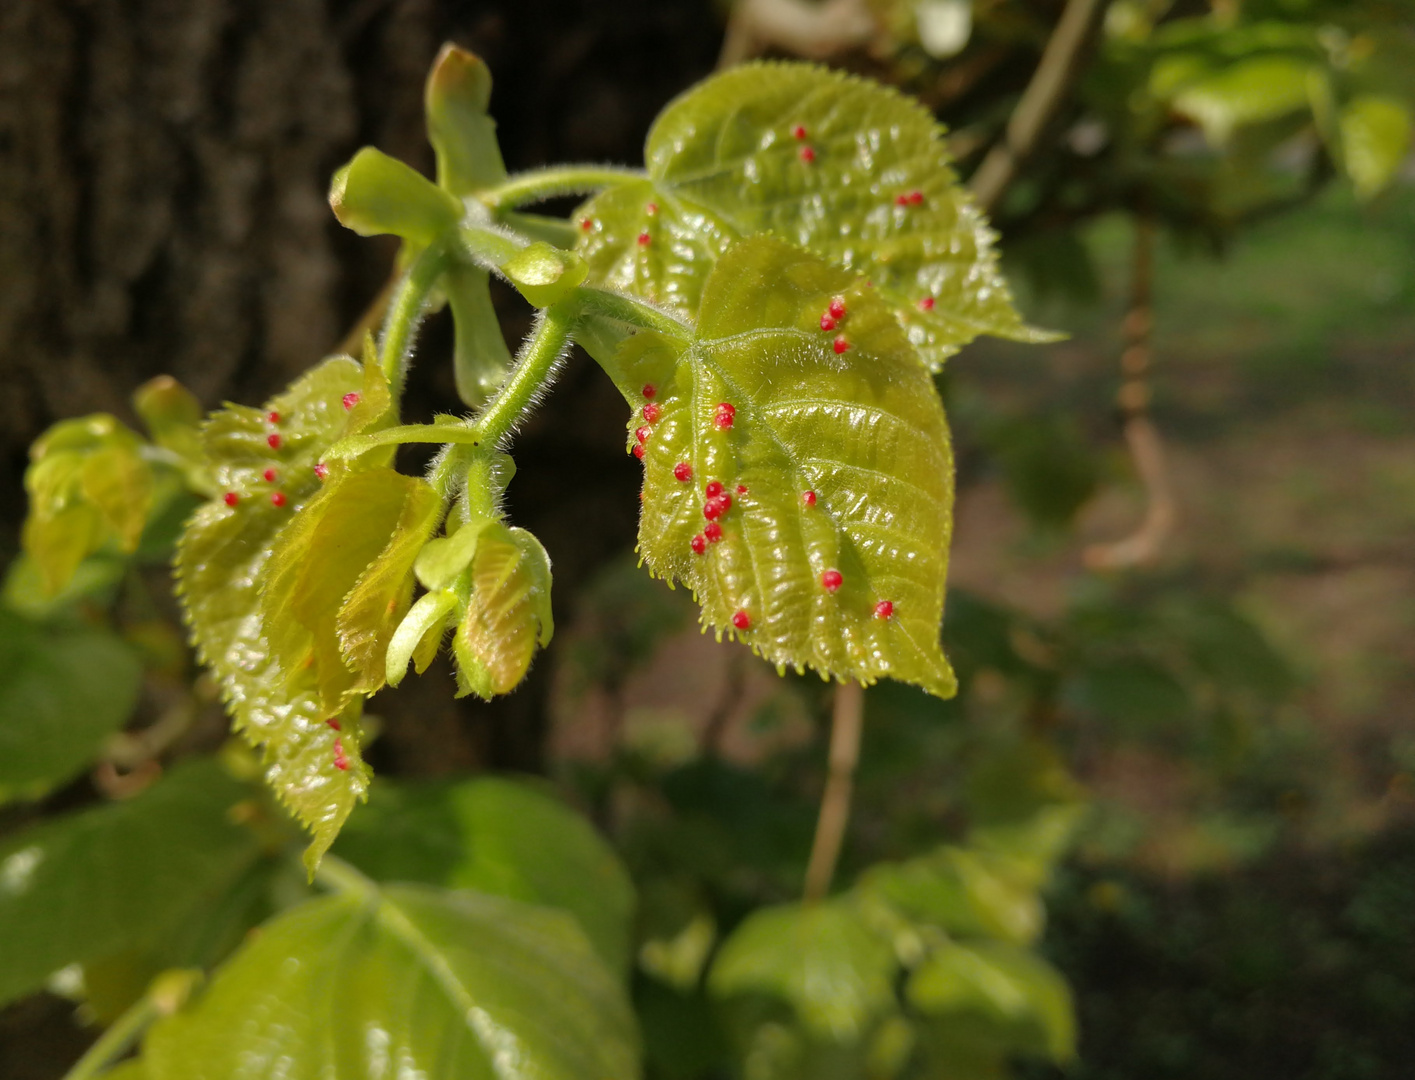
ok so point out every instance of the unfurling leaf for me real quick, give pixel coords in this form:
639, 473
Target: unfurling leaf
172, 414
264, 463
376, 194
543, 274
340, 580
507, 614
800, 481
424, 981
419, 635
844, 167
87, 484
1375, 139
455, 98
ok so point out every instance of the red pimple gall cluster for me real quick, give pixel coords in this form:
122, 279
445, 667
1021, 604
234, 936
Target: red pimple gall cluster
230, 498
713, 489
273, 417
742, 620
649, 390
683, 471
644, 239
884, 609
698, 544
643, 433
334, 724
808, 498
639, 451
713, 531
741, 489
840, 345
341, 762
586, 224
273, 440
798, 132
832, 580
724, 415
351, 399
269, 475
831, 318
909, 198
277, 498
716, 506
651, 209
807, 154
321, 470
926, 303
652, 413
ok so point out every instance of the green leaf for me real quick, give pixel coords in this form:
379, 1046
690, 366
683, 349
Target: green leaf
544, 274
1375, 139
724, 161
862, 430
87, 484
835, 972
376, 194
1018, 991
507, 613
419, 635
497, 836
418, 980
63, 691
172, 414
221, 566
455, 99
1248, 92
121, 876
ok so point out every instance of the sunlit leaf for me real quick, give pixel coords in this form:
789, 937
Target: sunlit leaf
822, 958
172, 414
847, 168
313, 766
1015, 989
125, 875
508, 612
63, 691
455, 100
376, 194
834, 463
1248, 92
480, 358
1375, 139
502, 837
412, 980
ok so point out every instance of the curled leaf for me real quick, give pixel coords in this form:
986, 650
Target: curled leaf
376, 194
507, 614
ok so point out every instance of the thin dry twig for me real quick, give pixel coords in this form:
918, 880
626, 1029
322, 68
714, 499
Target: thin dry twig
1143, 546
1039, 101
813, 31
846, 721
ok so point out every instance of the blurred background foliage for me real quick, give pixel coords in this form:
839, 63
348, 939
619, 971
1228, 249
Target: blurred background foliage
1189, 780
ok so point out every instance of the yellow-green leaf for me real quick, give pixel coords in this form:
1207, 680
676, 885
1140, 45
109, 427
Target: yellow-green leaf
1375, 139
172, 414
543, 273
833, 463
849, 169
455, 98
313, 766
419, 635
508, 612
376, 194
119, 483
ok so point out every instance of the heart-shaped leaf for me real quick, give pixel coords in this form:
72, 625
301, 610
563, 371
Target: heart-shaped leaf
799, 481
409, 980
842, 166
312, 758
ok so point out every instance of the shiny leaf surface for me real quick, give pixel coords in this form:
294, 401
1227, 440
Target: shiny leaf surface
221, 565
835, 467
409, 981
842, 166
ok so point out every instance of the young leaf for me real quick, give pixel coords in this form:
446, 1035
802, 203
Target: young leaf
497, 836
87, 484
833, 466
341, 577
842, 166
314, 767
172, 414
1015, 990
121, 876
480, 358
1375, 140
508, 612
455, 99
440, 983
62, 693
822, 958
376, 194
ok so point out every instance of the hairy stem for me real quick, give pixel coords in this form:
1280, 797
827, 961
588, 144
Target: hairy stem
539, 184
538, 356
405, 311
845, 723
1039, 101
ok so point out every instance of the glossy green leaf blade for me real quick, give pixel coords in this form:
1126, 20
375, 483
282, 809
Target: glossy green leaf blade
821, 958
81, 887
840, 165
1018, 991
63, 691
376, 194
221, 564
412, 981
862, 430
502, 837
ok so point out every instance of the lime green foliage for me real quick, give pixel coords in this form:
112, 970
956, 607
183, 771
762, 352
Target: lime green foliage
544, 274
376, 194
128, 876
221, 566
501, 837
507, 614
725, 161
1375, 139
172, 414
88, 485
63, 691
862, 429
455, 98
440, 983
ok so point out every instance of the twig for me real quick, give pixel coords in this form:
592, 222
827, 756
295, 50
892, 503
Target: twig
845, 723
1141, 547
814, 31
1038, 102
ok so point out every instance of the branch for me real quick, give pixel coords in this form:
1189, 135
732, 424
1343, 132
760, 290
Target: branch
1141, 547
845, 724
813, 31
1039, 101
